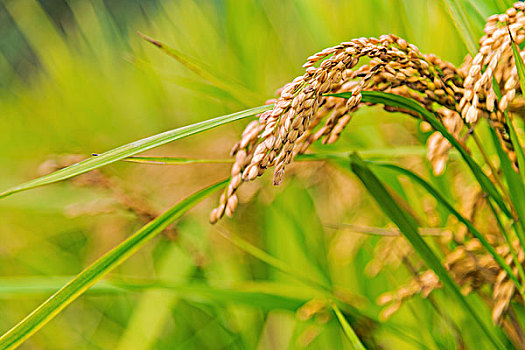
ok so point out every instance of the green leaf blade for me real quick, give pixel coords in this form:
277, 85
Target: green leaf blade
442, 200
101, 267
389, 99
133, 148
410, 231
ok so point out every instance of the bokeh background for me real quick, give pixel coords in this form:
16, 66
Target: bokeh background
76, 79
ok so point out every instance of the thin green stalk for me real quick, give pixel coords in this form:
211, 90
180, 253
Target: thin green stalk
173, 160
133, 148
372, 153
225, 83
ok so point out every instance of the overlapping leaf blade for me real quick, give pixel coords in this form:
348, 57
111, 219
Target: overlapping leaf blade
442, 200
410, 231
133, 148
403, 102
101, 267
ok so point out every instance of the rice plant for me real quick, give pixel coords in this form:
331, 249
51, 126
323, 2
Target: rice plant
355, 247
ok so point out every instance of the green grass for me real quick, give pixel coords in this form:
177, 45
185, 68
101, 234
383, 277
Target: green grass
94, 84
101, 267
131, 149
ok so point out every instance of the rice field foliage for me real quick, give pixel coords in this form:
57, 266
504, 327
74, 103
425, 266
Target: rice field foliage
406, 233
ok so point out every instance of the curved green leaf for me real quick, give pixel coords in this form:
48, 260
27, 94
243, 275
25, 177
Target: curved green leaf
410, 230
403, 102
265, 295
101, 267
516, 186
134, 148
442, 200
173, 160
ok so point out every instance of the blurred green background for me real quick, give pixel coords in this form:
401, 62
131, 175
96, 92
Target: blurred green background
75, 78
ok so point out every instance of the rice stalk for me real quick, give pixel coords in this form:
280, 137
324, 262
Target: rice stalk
486, 85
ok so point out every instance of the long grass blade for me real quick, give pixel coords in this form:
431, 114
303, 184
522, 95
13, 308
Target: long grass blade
410, 231
174, 160
369, 153
355, 342
503, 230
443, 201
515, 181
266, 295
101, 267
403, 102
133, 148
